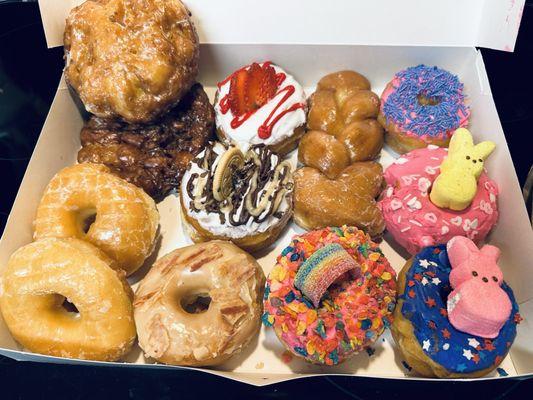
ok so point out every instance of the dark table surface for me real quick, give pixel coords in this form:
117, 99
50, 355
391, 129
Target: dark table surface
29, 73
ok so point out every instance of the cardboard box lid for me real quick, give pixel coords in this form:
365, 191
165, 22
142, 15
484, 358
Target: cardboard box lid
485, 23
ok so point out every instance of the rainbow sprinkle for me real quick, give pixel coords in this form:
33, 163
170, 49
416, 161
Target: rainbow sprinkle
319, 271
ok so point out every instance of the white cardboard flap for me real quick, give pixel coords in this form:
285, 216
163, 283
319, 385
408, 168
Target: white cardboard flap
487, 23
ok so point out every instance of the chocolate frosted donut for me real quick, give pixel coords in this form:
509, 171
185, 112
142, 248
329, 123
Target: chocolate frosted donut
152, 156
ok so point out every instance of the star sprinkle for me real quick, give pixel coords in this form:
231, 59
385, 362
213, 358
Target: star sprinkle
424, 263
446, 333
467, 354
475, 358
461, 367
472, 342
426, 345
431, 302
424, 281
435, 281
489, 346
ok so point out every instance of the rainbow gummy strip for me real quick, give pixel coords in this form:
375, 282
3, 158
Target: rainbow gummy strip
319, 271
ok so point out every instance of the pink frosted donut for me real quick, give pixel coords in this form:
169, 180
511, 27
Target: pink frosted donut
414, 221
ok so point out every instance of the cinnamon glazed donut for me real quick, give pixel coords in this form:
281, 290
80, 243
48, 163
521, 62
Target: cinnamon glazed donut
242, 197
199, 305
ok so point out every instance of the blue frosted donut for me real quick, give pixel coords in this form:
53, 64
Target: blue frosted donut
423, 304
423, 103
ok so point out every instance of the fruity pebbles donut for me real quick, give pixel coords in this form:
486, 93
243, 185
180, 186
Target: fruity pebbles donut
330, 295
414, 221
422, 105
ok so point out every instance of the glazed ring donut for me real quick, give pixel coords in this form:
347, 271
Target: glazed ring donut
428, 341
414, 221
126, 218
37, 280
199, 305
352, 314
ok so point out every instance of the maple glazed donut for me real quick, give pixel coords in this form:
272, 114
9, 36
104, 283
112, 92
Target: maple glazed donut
199, 305
37, 280
261, 104
125, 217
330, 295
421, 106
412, 218
242, 197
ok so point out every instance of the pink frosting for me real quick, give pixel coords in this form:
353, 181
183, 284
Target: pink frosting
391, 88
414, 221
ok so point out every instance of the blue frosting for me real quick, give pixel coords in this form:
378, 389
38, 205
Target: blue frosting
425, 296
403, 108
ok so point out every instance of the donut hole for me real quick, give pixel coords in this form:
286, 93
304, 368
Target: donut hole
195, 303
86, 219
66, 306
424, 99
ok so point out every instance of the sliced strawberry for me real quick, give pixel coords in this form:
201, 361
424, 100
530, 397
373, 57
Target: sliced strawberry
262, 85
252, 88
237, 90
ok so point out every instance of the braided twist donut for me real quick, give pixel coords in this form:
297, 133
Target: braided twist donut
339, 183
126, 218
37, 280
342, 123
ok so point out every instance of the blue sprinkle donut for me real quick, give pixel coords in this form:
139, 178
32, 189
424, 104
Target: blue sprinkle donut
421, 106
427, 339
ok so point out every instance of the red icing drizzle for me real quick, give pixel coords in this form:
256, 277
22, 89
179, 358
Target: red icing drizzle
265, 130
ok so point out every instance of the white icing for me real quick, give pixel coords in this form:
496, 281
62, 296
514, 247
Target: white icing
246, 134
211, 221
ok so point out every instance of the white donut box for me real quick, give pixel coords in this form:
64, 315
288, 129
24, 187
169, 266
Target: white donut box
311, 38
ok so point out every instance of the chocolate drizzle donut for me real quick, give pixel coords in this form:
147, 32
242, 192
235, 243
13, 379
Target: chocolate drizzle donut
257, 188
228, 195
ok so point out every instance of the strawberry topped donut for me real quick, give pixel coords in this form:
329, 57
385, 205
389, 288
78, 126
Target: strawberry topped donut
261, 104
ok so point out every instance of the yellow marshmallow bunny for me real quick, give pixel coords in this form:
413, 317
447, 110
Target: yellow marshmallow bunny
456, 186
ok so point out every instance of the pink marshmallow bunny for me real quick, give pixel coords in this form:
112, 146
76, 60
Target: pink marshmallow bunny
477, 305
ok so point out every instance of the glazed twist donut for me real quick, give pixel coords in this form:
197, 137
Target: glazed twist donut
38, 278
126, 218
